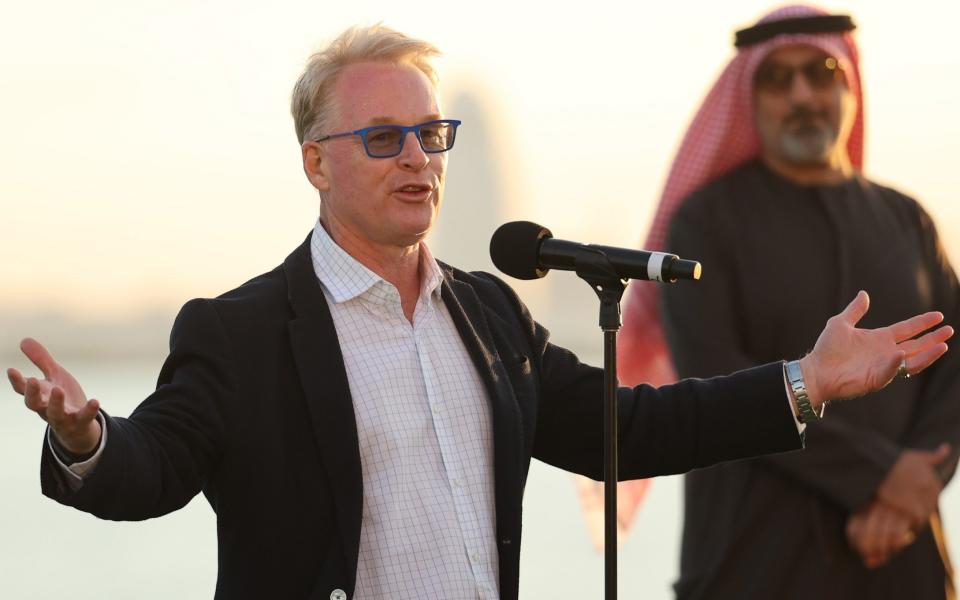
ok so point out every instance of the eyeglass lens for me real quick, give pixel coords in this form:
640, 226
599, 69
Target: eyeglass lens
820, 74
387, 140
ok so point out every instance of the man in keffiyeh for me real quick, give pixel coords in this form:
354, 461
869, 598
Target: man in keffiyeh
767, 192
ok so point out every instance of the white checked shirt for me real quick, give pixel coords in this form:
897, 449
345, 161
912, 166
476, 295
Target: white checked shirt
426, 442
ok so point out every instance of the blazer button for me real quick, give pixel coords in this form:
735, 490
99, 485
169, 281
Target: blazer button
338, 594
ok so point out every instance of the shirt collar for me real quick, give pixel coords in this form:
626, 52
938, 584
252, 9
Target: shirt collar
345, 278
432, 275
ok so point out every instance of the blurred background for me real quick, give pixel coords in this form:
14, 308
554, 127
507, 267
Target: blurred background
147, 156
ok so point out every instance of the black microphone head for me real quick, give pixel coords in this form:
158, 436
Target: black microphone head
515, 249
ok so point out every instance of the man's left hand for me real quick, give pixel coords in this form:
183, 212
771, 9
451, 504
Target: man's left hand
847, 362
913, 486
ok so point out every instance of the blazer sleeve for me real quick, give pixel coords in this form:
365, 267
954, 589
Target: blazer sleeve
666, 430
160, 457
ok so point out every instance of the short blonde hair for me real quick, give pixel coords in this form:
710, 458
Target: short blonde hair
311, 103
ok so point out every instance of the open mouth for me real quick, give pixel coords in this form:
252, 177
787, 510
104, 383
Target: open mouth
414, 191
414, 188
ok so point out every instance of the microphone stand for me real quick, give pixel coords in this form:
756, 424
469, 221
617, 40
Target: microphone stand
594, 268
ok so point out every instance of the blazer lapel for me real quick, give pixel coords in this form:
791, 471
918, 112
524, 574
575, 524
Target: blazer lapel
316, 351
467, 313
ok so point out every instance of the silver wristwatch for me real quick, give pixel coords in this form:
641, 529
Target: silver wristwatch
795, 378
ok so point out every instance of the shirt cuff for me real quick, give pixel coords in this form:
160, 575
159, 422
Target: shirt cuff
75, 472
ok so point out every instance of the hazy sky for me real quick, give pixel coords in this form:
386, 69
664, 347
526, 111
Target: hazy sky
147, 154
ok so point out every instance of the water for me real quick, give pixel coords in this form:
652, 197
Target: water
51, 551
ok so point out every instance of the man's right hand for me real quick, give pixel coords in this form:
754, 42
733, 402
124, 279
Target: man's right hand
59, 400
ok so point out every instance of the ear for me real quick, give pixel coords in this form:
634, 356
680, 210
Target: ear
315, 165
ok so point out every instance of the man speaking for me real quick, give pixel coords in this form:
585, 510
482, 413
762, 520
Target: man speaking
362, 418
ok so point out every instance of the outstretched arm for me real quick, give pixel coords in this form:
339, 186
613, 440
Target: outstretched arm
160, 457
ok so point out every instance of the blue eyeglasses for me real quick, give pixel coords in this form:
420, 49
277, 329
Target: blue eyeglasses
384, 141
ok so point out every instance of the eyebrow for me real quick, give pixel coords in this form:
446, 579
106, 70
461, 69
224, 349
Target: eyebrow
392, 121
778, 63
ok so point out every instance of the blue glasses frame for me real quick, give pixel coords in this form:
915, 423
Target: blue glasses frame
368, 133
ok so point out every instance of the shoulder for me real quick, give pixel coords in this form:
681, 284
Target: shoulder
717, 211
499, 303
495, 310
264, 289
246, 307
907, 208
262, 300
725, 195
490, 289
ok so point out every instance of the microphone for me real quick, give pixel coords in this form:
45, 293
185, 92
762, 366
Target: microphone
526, 250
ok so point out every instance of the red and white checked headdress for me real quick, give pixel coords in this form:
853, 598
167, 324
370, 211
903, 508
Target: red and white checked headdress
721, 138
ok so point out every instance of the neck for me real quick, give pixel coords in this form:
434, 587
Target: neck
398, 265
836, 169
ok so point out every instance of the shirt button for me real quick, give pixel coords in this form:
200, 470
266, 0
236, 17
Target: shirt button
475, 557
338, 594
456, 483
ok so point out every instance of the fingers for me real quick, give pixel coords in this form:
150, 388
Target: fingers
904, 330
76, 429
884, 539
870, 550
56, 414
17, 380
916, 512
885, 533
33, 397
935, 457
921, 361
89, 411
856, 309
892, 370
855, 530
39, 356
932, 338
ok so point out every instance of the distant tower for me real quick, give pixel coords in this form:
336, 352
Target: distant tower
486, 187
476, 193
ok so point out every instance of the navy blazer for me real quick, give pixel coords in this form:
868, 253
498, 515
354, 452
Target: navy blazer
253, 409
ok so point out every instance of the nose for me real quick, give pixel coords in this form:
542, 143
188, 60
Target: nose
412, 156
801, 91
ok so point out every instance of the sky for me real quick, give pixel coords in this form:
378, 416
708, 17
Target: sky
147, 154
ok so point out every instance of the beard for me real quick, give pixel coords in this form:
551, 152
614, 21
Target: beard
808, 138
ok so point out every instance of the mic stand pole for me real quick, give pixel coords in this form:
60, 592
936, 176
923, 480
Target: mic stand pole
596, 270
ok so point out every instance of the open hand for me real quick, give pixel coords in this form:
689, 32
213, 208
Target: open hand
58, 399
847, 362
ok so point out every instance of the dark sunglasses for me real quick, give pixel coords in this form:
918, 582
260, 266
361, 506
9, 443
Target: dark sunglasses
384, 141
820, 74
